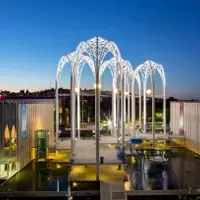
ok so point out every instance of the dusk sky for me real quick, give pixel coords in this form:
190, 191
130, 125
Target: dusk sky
34, 34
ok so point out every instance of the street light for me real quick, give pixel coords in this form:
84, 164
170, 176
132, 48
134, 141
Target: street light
148, 91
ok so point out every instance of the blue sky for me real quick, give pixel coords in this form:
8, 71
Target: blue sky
35, 34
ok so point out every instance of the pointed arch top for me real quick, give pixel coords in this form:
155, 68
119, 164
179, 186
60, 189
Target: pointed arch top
63, 61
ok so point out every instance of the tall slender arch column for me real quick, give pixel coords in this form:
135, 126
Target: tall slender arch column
128, 99
118, 108
140, 107
164, 108
97, 108
57, 110
153, 108
114, 109
124, 104
78, 111
123, 120
72, 111
133, 107
145, 107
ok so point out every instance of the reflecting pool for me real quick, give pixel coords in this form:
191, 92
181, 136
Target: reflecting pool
180, 170
39, 176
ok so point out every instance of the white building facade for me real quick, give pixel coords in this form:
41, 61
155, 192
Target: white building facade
185, 121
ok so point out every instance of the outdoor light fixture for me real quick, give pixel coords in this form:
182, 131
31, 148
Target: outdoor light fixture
76, 89
148, 91
99, 86
126, 93
116, 90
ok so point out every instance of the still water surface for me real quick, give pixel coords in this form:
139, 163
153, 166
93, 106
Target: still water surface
181, 171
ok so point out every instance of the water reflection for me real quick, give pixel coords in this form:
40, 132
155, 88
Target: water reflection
39, 176
179, 172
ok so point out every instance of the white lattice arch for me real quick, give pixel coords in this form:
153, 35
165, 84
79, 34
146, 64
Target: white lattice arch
62, 62
114, 68
151, 67
96, 54
110, 47
80, 65
148, 69
89, 47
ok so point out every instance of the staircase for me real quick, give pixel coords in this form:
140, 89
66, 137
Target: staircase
112, 191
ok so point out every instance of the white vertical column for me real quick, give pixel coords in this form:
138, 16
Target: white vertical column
133, 108
153, 108
97, 110
128, 99
122, 111
57, 111
114, 109
78, 111
125, 99
145, 109
140, 107
72, 111
164, 108
112, 130
118, 109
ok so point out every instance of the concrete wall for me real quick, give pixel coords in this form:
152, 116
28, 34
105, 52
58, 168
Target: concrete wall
185, 118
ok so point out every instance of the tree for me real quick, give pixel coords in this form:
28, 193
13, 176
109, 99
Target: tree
159, 116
